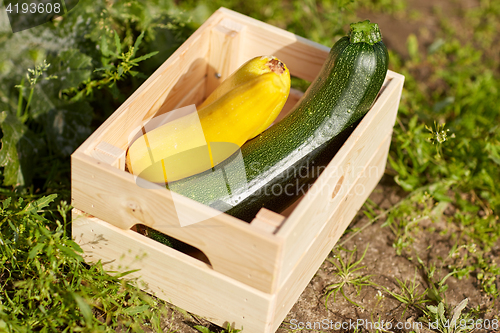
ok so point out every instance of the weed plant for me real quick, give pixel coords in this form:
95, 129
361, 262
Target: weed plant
445, 151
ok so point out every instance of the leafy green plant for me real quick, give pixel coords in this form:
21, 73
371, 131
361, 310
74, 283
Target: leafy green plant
58, 81
117, 65
347, 276
46, 286
90, 51
438, 135
404, 219
462, 93
409, 295
321, 21
228, 329
33, 76
458, 322
386, 6
467, 259
378, 324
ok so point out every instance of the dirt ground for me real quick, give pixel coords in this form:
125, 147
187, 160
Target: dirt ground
381, 260
385, 266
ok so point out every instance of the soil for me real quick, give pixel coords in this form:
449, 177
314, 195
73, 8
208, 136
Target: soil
381, 260
383, 264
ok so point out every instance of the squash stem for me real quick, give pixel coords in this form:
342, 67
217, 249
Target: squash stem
365, 32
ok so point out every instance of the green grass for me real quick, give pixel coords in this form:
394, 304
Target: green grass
348, 277
445, 152
455, 322
408, 294
228, 329
46, 287
462, 93
58, 81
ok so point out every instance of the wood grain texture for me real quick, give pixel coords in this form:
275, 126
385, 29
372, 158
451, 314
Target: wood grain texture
109, 154
178, 88
224, 53
233, 247
173, 276
267, 221
307, 219
332, 229
303, 57
196, 96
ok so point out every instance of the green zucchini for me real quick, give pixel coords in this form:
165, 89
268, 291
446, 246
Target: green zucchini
282, 161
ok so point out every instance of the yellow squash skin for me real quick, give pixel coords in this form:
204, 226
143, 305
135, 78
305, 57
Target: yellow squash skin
243, 106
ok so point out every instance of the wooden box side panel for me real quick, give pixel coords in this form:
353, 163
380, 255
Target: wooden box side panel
224, 57
304, 224
234, 248
329, 234
173, 276
303, 57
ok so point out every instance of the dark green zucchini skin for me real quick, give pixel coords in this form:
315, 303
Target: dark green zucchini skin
289, 155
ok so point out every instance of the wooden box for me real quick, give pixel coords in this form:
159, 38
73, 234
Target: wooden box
255, 271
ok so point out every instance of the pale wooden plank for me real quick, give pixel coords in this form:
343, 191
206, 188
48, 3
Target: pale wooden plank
195, 96
267, 220
223, 56
172, 275
232, 246
308, 217
109, 154
176, 90
303, 57
328, 235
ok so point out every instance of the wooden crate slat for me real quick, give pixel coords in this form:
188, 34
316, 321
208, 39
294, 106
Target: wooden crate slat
109, 154
195, 96
173, 276
248, 255
267, 221
303, 57
327, 237
176, 90
343, 169
224, 53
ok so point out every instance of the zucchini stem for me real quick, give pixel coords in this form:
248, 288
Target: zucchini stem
365, 32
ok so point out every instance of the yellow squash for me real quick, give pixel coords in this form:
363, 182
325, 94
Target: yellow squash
243, 106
